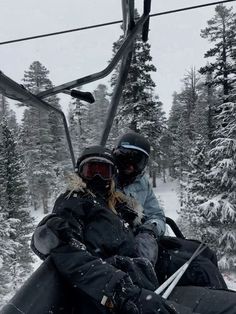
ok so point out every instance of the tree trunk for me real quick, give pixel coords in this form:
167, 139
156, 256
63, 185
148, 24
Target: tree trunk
45, 203
225, 70
154, 176
164, 174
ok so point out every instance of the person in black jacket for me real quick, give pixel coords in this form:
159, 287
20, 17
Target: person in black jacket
90, 237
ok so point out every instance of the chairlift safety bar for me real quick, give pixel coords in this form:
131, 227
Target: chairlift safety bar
172, 281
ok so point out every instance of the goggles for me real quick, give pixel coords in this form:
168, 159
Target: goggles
125, 156
91, 167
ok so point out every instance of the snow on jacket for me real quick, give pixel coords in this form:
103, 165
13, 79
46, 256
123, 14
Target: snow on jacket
142, 191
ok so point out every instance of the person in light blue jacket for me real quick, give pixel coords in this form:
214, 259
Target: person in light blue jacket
141, 190
131, 155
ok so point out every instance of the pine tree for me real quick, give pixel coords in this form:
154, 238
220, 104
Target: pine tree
36, 78
221, 32
43, 142
181, 123
153, 126
220, 208
7, 113
195, 181
60, 158
4, 108
195, 184
209, 209
8, 248
38, 156
100, 110
140, 109
139, 86
15, 221
81, 125
87, 121
77, 116
176, 112
203, 115
181, 149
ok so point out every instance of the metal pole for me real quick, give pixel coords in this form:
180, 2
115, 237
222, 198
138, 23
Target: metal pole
116, 97
93, 77
13, 90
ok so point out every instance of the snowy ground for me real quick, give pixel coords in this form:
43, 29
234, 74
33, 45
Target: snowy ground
167, 194
230, 279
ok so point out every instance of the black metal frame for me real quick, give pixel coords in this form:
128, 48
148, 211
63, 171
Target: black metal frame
170, 222
15, 91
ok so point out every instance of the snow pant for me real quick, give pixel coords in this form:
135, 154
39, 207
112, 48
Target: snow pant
186, 300
205, 300
83, 304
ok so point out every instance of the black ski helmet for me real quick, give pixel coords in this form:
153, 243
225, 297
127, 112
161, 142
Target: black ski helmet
95, 151
132, 148
97, 168
132, 140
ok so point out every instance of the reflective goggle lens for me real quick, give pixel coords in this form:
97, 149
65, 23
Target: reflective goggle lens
125, 156
92, 168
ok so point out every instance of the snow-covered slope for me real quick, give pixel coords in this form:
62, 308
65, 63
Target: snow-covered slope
167, 194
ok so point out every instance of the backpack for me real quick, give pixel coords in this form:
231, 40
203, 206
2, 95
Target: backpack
203, 270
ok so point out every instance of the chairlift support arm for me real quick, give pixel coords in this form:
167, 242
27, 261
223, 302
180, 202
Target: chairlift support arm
15, 91
124, 49
132, 31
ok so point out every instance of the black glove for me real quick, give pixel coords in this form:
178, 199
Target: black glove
131, 299
140, 270
51, 232
61, 228
146, 246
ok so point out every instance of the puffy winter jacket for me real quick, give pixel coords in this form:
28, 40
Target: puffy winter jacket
101, 245
141, 190
95, 256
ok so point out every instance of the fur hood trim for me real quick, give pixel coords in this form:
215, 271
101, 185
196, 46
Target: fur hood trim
137, 208
134, 206
76, 184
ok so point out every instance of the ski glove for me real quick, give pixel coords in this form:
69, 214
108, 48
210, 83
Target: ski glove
51, 232
133, 300
146, 246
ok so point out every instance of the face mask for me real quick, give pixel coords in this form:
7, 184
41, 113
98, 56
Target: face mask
98, 185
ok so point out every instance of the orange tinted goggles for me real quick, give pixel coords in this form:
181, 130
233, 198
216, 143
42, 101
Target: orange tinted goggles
92, 168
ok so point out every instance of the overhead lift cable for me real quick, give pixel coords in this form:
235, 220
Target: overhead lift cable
111, 23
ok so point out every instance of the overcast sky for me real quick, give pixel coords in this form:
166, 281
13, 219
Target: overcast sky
175, 39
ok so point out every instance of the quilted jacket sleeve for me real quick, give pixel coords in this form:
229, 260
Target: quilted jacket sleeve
63, 229
142, 191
